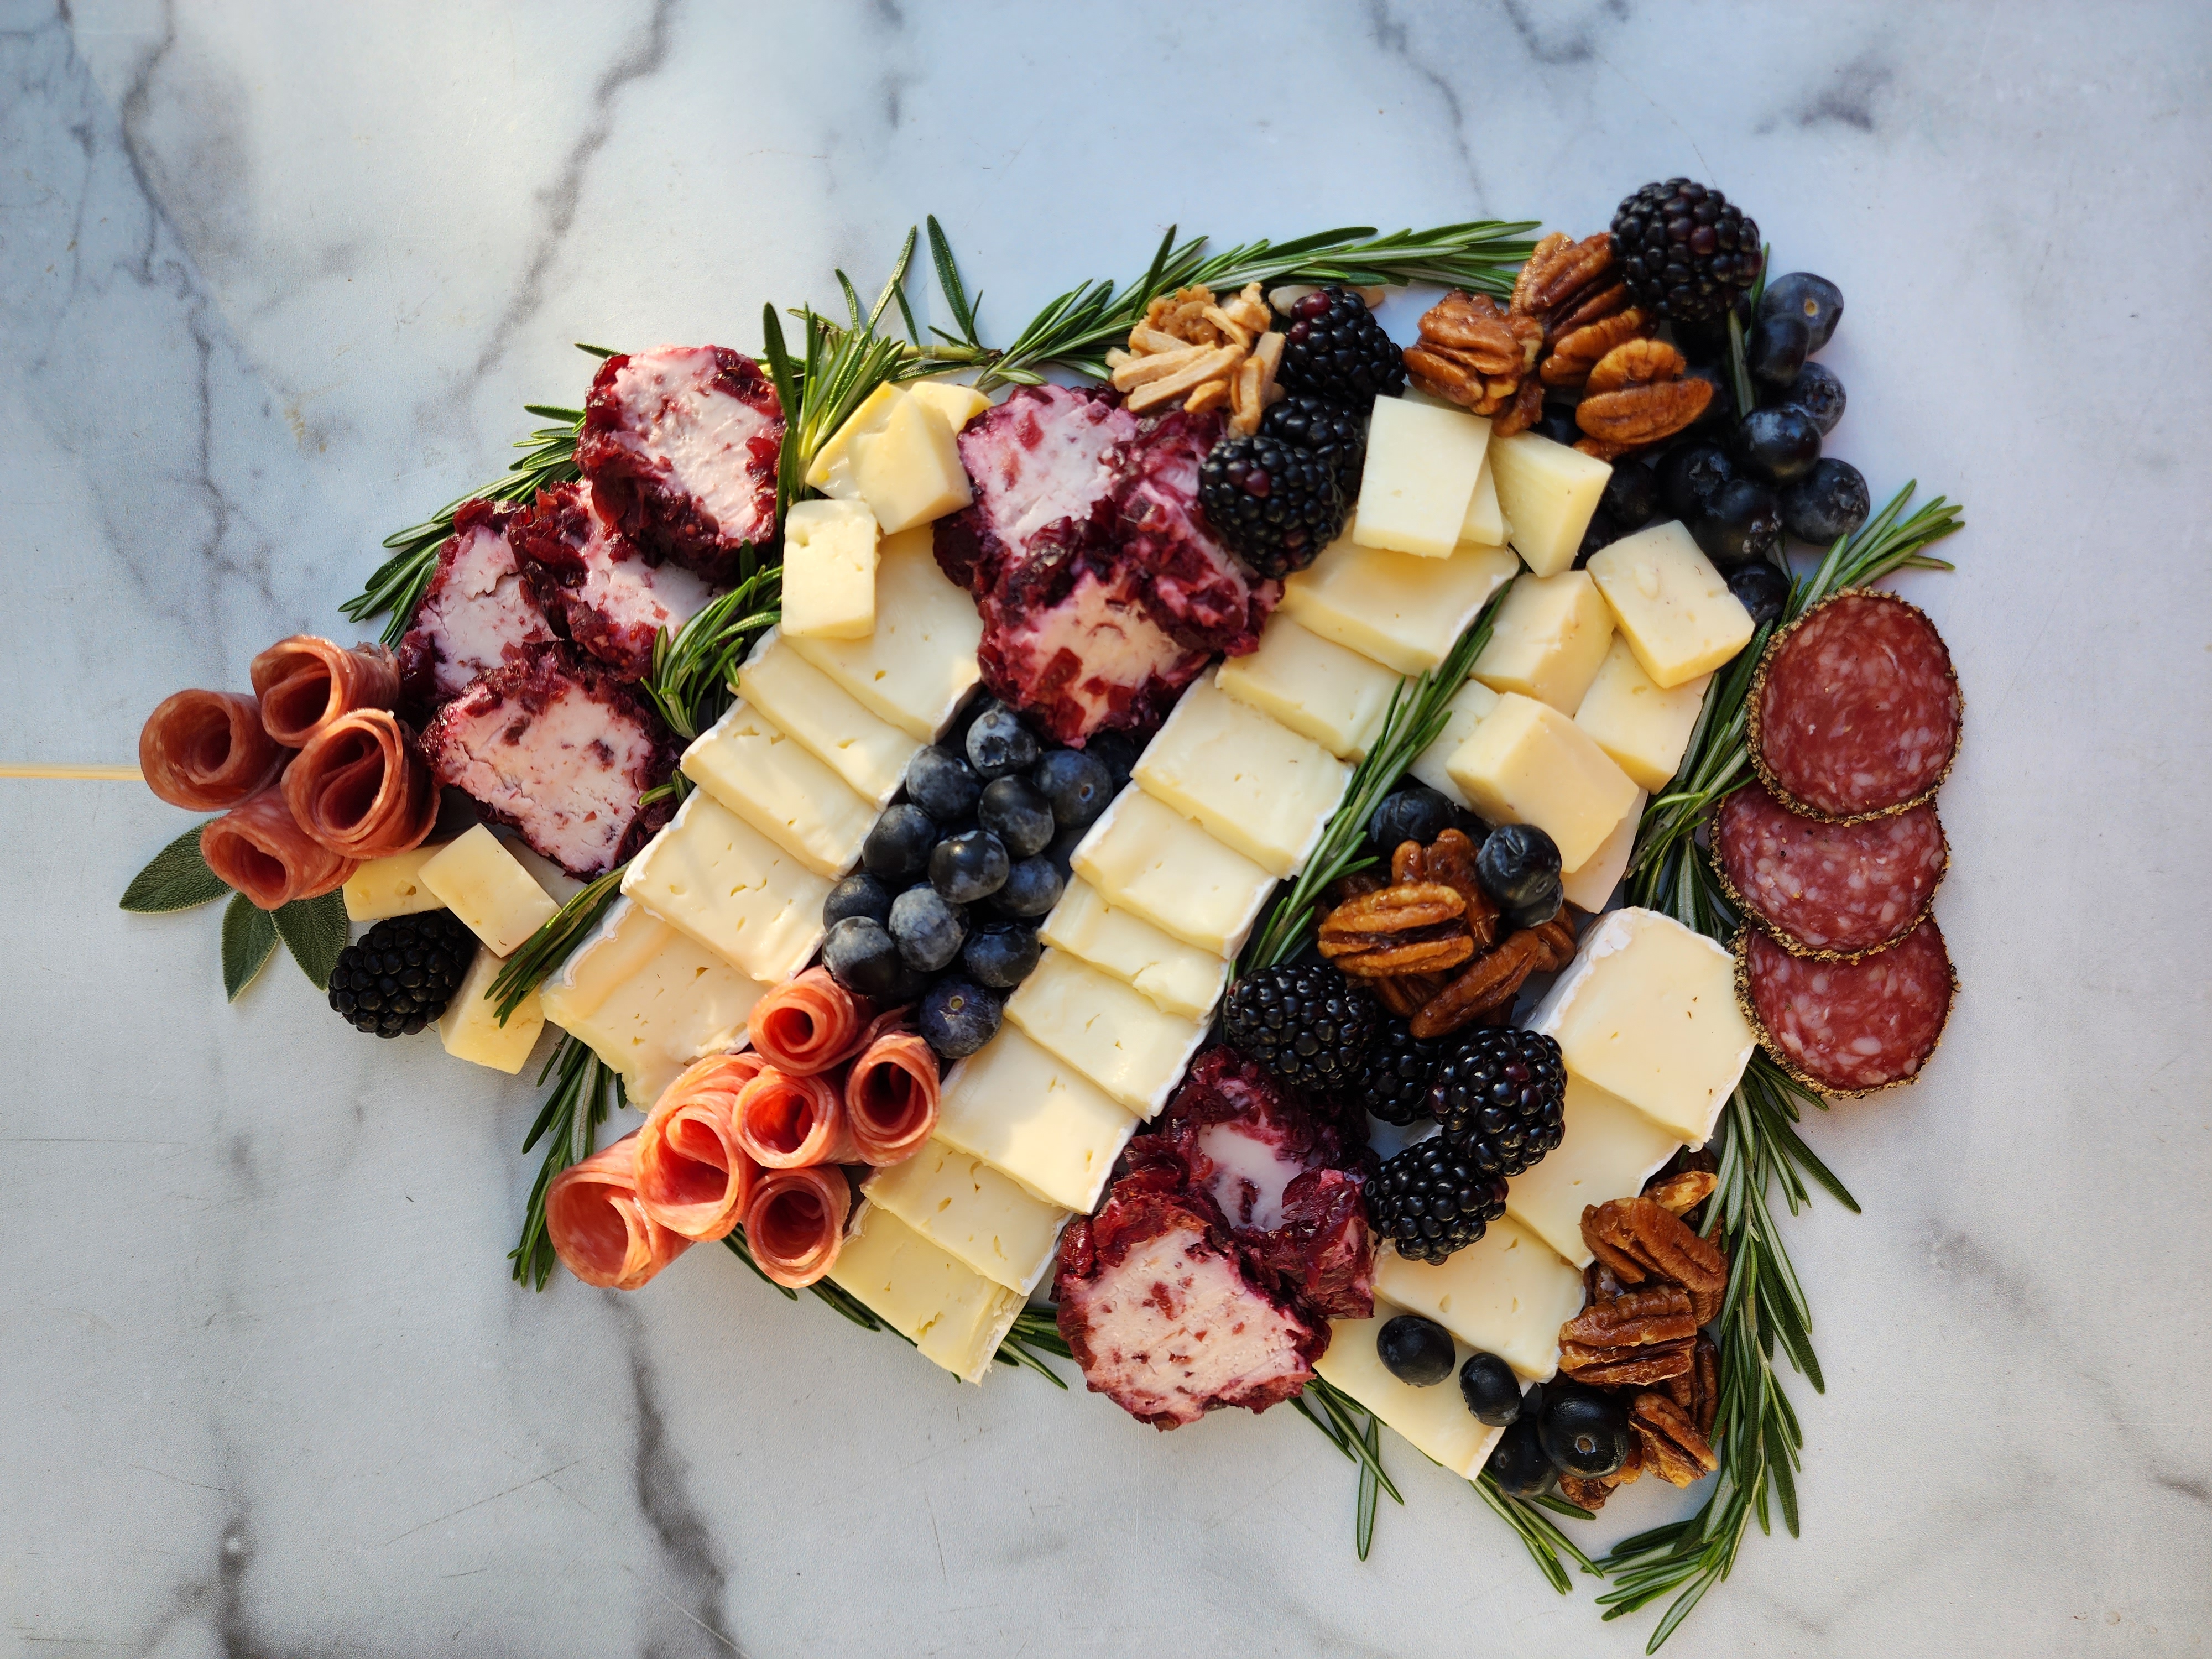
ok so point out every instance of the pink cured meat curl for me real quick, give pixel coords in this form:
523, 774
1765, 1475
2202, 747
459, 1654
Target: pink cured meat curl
788, 1122
598, 582
892, 1098
693, 1178
795, 1224
205, 751
1856, 710
305, 683
258, 847
807, 1024
1840, 889
359, 789
477, 611
599, 1231
1852, 1027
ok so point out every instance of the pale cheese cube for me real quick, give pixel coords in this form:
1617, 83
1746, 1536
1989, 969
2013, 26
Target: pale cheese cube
1548, 492
1484, 524
478, 880
751, 766
1403, 612
552, 877
1672, 606
962, 1205
783, 684
957, 403
831, 470
1316, 687
1548, 639
714, 877
392, 886
1250, 781
954, 1314
1645, 728
1147, 857
1609, 1151
918, 665
1434, 1420
647, 1000
1030, 1114
829, 570
470, 1027
1507, 1293
1462, 715
1590, 885
1526, 763
1111, 1032
1422, 463
1647, 1010
1180, 978
894, 452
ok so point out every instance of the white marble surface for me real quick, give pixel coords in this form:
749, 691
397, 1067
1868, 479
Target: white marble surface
275, 278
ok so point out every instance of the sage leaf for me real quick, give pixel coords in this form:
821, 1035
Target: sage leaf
178, 878
249, 940
314, 930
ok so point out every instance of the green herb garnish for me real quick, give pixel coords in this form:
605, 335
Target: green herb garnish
539, 957
586, 1088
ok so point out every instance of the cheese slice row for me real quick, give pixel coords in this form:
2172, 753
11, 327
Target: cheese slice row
1434, 1420
953, 1313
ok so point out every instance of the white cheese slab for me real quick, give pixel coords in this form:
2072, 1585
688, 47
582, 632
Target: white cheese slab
1246, 779
1113, 1033
1608, 1152
776, 784
867, 752
1434, 1420
1030, 1114
716, 878
953, 1313
1507, 1293
1403, 610
1324, 690
1180, 978
963, 1205
920, 663
1145, 856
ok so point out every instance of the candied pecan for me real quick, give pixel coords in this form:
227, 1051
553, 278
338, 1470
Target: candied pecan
1472, 354
1561, 273
1600, 1283
1523, 412
1638, 1337
1698, 1390
1587, 1492
1639, 1240
1404, 994
1679, 1194
1352, 886
1492, 981
1636, 394
1672, 1443
1412, 928
1409, 861
1555, 941
1574, 353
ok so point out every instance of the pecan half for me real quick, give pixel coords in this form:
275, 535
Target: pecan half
1492, 981
1639, 1240
1555, 941
1404, 994
1523, 412
1450, 859
1679, 1194
1638, 1337
1352, 886
1672, 1443
1698, 1390
1591, 1492
1574, 354
1412, 927
1637, 394
1562, 275
1472, 354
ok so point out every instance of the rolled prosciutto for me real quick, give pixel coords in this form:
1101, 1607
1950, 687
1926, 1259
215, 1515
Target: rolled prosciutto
359, 789
599, 1231
206, 750
787, 1122
796, 1222
305, 683
258, 847
891, 1099
693, 1178
807, 1024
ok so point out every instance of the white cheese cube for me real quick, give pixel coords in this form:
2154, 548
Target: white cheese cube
1422, 463
1526, 763
1647, 1010
782, 684
1484, 524
470, 1027
1434, 1420
751, 766
498, 900
957, 403
1251, 783
1146, 857
1403, 612
1672, 606
1645, 728
1548, 639
714, 877
647, 1000
1590, 885
1507, 1293
918, 665
392, 886
1111, 1032
1610, 1150
1180, 978
830, 570
1030, 1114
558, 882
1432, 765
894, 452
1547, 492
1316, 687
963, 1205
954, 1314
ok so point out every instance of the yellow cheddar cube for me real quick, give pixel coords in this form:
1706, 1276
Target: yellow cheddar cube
1548, 639
1320, 689
481, 882
1590, 885
1526, 763
1672, 606
1645, 728
1404, 612
958, 403
894, 452
1547, 492
392, 886
470, 1027
1609, 1151
1252, 782
1462, 715
1422, 463
1508, 1293
830, 570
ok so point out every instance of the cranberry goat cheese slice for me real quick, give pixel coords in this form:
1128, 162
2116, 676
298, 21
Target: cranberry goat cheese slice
1435, 1420
868, 752
1507, 1293
1645, 728
470, 1029
1405, 611
1609, 1151
963, 1205
1319, 688
953, 1313
714, 877
486, 887
757, 770
1030, 1114
1180, 978
920, 663
1248, 780
1145, 856
1113, 1034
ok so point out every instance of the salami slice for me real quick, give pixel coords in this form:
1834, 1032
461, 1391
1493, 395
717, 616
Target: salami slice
1828, 889
787, 1122
693, 1178
305, 683
795, 1224
258, 847
891, 1099
1848, 1028
599, 1231
807, 1024
1855, 710
359, 789
206, 750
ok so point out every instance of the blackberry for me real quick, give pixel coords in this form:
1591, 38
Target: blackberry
1501, 1096
1432, 1200
1335, 348
1684, 249
1304, 1021
401, 974
1275, 505
1393, 1080
1335, 432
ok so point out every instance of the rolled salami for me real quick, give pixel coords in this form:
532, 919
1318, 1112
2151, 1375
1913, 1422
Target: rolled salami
807, 1024
599, 1231
359, 789
306, 683
258, 847
693, 1176
790, 1122
796, 1223
207, 751
891, 1099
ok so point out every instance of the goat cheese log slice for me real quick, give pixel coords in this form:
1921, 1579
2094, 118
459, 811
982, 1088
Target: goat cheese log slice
306, 683
598, 582
1848, 1028
359, 789
476, 609
1831, 889
598, 1229
258, 847
205, 751
1201, 593
681, 445
1042, 458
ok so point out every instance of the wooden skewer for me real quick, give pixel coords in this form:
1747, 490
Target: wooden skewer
61, 770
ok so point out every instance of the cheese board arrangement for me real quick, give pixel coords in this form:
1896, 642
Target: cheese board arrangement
1267, 861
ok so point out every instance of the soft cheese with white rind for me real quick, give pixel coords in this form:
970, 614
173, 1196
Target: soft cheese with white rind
1645, 728
1405, 611
1507, 1293
1434, 1420
953, 1313
1180, 978
962, 1205
783, 686
1248, 780
1670, 603
715, 877
829, 570
1609, 1151
392, 886
1548, 639
482, 883
1526, 763
751, 766
1419, 476
1432, 766
1590, 885
914, 670
1647, 1010
1548, 492
1145, 856
470, 1027
1113, 1033
1030, 1114
1323, 690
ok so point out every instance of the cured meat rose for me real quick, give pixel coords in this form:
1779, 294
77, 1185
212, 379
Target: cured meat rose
359, 789
258, 847
205, 751
1855, 710
305, 683
692, 1176
598, 582
681, 446
598, 1229
795, 1224
1851, 1028
794, 1122
807, 1024
477, 609
1829, 889
891, 1097
1040, 458
554, 746
1199, 591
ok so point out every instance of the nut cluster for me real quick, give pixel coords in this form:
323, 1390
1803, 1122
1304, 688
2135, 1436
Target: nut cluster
1211, 353
1475, 355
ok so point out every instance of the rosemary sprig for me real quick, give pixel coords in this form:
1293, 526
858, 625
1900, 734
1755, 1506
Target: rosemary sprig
584, 1089
539, 957
688, 684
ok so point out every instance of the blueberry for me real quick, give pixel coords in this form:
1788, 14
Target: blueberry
1075, 785
1584, 1434
1721, 401
1778, 445
1631, 495
1492, 1392
1740, 524
898, 846
861, 956
1690, 476
1414, 813
969, 866
1829, 501
1818, 393
1033, 887
1011, 810
942, 784
1543, 902
1417, 1352
1518, 1463
1000, 954
859, 894
927, 928
1777, 348
1117, 752
958, 1017
1763, 590
1518, 865
998, 743
1559, 424
1600, 531
1818, 302
1061, 853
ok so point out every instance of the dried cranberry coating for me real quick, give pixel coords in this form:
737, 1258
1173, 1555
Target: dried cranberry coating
1040, 459
477, 608
1195, 588
598, 583
1829, 889
1852, 1027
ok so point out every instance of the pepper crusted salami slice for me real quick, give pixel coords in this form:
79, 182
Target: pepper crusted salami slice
205, 751
259, 848
1848, 1028
1855, 710
305, 683
1837, 891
